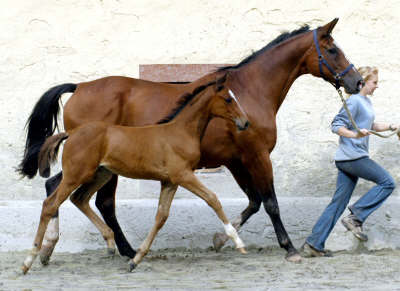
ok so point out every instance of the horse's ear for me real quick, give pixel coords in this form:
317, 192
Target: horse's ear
327, 28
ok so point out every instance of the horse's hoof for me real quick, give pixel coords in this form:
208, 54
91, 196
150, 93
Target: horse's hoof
132, 266
293, 257
219, 241
242, 250
111, 251
24, 269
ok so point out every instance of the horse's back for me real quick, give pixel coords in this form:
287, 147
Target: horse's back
122, 101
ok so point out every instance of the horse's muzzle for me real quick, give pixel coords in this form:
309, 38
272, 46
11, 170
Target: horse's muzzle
242, 125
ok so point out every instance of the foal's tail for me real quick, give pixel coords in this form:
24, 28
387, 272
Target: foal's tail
48, 153
41, 124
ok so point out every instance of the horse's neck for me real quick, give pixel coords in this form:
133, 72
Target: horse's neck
271, 75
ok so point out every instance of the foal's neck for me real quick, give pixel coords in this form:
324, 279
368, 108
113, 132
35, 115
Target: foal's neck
195, 117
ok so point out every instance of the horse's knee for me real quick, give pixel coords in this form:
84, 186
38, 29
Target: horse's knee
105, 203
254, 206
271, 206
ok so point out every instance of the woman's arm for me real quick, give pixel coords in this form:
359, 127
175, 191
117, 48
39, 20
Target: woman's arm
343, 131
381, 126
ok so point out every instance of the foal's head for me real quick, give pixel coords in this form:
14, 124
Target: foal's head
224, 104
326, 59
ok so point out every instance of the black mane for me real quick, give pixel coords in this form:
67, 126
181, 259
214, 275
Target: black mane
185, 99
284, 36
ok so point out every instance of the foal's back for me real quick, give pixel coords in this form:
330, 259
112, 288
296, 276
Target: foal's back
151, 152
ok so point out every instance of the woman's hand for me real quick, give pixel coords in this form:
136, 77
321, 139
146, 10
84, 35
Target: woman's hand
362, 133
394, 127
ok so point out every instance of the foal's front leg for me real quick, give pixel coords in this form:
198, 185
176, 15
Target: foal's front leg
191, 183
164, 204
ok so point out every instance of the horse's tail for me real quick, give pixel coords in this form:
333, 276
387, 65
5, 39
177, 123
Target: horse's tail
41, 124
48, 153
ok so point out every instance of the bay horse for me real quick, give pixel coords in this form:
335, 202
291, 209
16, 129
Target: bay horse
168, 152
261, 82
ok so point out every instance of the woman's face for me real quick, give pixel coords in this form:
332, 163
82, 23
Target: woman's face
370, 85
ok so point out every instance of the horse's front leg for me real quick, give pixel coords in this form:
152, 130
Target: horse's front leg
105, 202
255, 176
243, 178
259, 165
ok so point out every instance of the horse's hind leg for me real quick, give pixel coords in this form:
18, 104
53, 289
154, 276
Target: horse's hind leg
243, 179
164, 204
52, 233
49, 208
105, 202
81, 198
190, 182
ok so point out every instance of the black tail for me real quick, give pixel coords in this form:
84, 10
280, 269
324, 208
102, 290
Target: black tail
41, 124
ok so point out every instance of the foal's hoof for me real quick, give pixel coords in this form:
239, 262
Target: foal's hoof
293, 257
242, 250
45, 254
219, 241
24, 269
44, 260
132, 266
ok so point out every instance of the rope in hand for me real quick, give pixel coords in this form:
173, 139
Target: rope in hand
355, 125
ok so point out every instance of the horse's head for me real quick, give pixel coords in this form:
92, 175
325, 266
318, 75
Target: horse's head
328, 61
226, 105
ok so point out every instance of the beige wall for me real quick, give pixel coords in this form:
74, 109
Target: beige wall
45, 43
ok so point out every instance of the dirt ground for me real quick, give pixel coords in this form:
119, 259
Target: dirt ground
183, 269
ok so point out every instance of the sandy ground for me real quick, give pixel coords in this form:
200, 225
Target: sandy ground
183, 269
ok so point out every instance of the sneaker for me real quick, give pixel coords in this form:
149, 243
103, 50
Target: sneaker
352, 224
308, 251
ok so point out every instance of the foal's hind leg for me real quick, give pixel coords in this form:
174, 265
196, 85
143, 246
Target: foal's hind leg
167, 194
52, 233
81, 198
105, 202
243, 179
49, 208
190, 182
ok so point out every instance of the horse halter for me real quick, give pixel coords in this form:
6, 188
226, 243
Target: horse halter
322, 61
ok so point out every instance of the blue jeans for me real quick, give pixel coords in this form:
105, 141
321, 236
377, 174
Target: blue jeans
349, 172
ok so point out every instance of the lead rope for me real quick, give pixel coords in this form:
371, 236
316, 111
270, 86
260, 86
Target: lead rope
355, 125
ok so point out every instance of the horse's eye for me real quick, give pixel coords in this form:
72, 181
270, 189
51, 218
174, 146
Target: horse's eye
332, 51
228, 100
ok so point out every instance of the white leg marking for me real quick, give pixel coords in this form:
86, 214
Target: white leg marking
232, 233
52, 232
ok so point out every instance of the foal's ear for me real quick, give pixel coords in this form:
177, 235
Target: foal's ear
219, 83
327, 28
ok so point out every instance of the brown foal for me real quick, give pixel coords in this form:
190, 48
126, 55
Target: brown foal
168, 152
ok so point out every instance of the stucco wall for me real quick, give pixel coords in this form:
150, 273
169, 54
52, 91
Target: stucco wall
45, 43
